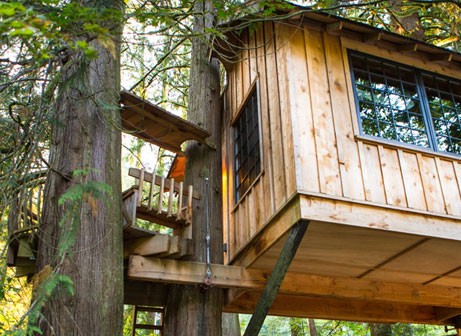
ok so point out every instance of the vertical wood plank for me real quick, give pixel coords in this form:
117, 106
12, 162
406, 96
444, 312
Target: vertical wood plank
348, 156
450, 188
140, 186
303, 127
274, 150
325, 138
252, 57
392, 177
457, 169
160, 195
412, 180
431, 183
372, 178
275, 147
268, 176
180, 195
151, 193
238, 80
246, 68
284, 34
170, 198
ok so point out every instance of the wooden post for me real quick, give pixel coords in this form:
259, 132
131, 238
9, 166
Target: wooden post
141, 183
275, 279
179, 210
160, 195
151, 193
171, 198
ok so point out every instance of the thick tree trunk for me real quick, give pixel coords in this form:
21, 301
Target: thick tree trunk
230, 324
193, 310
82, 238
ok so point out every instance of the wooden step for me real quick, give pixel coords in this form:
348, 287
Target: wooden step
160, 245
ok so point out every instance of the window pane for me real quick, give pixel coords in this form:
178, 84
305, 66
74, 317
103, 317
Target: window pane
444, 98
246, 146
388, 100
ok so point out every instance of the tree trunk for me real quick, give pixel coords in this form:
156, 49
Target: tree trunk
380, 329
82, 237
312, 329
230, 324
193, 310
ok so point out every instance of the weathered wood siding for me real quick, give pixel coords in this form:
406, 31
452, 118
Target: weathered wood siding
310, 134
260, 61
349, 166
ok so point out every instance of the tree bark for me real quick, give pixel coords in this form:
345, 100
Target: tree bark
82, 238
230, 324
197, 310
312, 329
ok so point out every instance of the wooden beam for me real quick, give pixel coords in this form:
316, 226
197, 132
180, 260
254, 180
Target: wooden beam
445, 57
321, 207
372, 37
239, 278
408, 47
337, 309
444, 314
144, 293
334, 26
275, 280
157, 244
188, 272
275, 228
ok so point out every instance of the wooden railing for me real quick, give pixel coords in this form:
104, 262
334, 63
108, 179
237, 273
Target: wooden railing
25, 209
159, 200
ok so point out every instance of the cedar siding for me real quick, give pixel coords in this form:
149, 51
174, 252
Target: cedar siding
310, 134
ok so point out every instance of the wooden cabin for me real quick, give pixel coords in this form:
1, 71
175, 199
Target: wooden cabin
349, 130
356, 131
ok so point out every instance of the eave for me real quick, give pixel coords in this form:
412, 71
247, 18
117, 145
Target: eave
156, 125
227, 49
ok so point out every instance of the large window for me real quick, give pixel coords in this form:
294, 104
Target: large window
247, 152
405, 104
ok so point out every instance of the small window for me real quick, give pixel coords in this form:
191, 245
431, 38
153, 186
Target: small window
401, 103
247, 151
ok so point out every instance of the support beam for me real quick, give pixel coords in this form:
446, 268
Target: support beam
276, 278
338, 309
242, 280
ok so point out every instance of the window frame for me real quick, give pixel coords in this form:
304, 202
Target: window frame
426, 113
253, 89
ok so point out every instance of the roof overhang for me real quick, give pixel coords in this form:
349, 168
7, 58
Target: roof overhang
227, 49
156, 125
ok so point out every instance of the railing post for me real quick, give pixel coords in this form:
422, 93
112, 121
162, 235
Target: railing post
179, 210
141, 183
170, 199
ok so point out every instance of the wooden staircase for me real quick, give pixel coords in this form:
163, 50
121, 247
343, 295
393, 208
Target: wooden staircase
163, 202
153, 198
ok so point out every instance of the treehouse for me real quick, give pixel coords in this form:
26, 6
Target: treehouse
342, 146
356, 132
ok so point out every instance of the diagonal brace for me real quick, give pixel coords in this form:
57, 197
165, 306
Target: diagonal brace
275, 279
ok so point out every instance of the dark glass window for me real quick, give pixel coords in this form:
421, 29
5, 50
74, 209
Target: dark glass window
444, 102
404, 104
247, 156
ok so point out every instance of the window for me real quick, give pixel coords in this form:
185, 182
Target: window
405, 104
247, 151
